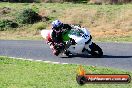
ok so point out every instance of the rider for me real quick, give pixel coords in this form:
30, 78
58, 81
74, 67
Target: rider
58, 27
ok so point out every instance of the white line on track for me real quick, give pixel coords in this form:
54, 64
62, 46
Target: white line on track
38, 60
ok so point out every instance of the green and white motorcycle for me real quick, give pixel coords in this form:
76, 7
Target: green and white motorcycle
83, 42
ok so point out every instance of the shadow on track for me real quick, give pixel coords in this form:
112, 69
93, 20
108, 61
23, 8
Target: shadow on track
110, 56
89, 56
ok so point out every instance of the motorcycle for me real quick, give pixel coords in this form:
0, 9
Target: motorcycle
82, 39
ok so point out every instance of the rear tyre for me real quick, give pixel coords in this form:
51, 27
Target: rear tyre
68, 53
96, 51
56, 52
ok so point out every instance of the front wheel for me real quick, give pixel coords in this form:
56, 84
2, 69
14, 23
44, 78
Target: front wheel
96, 51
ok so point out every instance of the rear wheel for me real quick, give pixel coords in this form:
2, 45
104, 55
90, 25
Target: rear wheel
68, 53
96, 51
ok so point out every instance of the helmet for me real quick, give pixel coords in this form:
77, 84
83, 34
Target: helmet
56, 24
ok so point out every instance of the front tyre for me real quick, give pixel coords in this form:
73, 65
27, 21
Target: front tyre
96, 51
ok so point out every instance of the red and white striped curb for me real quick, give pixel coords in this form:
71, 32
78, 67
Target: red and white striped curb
51, 62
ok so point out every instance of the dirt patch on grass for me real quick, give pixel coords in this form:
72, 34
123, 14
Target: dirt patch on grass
109, 32
78, 16
20, 34
102, 24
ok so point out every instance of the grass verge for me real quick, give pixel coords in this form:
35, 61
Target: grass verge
105, 22
16, 73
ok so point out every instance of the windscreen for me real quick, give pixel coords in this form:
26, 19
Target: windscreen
76, 32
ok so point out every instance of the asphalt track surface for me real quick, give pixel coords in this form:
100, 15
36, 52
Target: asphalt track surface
116, 55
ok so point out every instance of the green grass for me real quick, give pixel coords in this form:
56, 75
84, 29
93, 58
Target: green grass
16, 73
